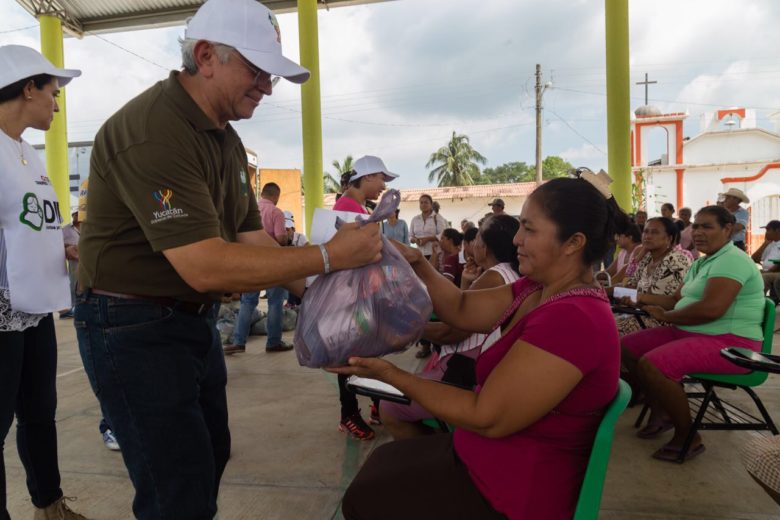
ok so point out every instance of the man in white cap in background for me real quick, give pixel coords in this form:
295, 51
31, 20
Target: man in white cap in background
731, 201
172, 227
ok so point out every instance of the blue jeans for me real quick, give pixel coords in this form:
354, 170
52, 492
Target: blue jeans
276, 297
159, 374
244, 319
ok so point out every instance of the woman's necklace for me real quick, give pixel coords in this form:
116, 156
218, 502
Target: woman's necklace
21, 147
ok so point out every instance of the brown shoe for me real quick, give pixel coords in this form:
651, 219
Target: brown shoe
59, 510
229, 349
281, 347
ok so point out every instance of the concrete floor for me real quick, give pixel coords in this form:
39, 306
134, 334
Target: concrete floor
290, 462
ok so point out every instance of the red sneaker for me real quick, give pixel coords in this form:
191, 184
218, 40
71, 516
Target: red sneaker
374, 417
356, 427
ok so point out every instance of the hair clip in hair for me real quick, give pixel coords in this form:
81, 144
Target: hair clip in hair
600, 180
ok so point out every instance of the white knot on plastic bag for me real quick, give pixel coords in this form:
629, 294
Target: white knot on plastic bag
370, 311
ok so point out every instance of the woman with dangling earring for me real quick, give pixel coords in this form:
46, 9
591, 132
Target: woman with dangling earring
33, 279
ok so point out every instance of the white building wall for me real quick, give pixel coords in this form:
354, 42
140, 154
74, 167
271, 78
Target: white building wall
660, 188
731, 147
456, 210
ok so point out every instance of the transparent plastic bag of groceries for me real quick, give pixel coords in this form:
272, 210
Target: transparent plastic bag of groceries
370, 311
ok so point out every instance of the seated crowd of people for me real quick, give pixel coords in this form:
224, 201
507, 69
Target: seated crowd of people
522, 438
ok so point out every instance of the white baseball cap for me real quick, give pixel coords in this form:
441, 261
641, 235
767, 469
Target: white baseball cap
249, 27
289, 219
20, 62
368, 165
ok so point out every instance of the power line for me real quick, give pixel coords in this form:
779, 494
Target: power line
19, 29
147, 60
678, 101
576, 132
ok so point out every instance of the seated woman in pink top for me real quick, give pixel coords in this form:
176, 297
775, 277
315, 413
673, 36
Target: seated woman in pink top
524, 434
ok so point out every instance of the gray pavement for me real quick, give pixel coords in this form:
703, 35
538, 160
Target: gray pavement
290, 462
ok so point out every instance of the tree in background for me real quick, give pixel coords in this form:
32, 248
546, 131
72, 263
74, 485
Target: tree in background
456, 164
552, 167
506, 173
331, 183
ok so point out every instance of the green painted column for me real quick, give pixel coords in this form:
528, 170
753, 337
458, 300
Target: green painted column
57, 135
310, 107
618, 102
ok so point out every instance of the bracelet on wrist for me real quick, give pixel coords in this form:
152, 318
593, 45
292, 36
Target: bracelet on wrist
325, 258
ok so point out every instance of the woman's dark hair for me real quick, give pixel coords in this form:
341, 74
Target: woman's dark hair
426, 196
345, 180
14, 90
669, 226
497, 233
576, 206
668, 205
454, 235
723, 216
633, 232
470, 234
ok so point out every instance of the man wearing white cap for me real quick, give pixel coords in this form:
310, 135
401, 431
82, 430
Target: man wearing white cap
173, 225
33, 279
731, 201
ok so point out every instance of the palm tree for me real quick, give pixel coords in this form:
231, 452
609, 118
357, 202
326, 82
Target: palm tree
333, 184
457, 163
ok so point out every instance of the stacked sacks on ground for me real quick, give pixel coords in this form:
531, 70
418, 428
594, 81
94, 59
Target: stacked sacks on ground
226, 320
289, 320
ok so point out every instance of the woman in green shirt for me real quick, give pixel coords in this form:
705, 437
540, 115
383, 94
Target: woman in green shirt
720, 304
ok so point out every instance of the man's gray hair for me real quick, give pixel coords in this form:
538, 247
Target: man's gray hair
188, 54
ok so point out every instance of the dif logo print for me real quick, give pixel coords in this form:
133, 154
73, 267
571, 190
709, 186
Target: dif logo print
36, 214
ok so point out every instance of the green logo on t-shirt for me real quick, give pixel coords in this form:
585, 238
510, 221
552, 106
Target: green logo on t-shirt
32, 212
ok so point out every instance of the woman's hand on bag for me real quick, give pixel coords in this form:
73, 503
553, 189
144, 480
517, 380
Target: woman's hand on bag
411, 254
373, 368
354, 246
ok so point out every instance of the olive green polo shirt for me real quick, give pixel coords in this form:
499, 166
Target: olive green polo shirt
162, 175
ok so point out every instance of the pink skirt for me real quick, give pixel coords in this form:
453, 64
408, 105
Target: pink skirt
677, 352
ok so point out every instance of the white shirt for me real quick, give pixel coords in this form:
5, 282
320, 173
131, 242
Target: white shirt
428, 227
772, 251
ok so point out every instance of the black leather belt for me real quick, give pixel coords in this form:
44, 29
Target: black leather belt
194, 308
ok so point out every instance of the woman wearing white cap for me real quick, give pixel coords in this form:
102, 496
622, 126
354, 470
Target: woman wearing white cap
364, 183
33, 279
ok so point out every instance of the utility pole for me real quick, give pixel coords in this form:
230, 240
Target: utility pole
539, 92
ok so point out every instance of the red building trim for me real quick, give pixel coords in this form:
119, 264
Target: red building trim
736, 111
761, 173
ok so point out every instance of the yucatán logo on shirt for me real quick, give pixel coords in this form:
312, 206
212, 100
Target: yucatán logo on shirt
244, 183
167, 211
35, 214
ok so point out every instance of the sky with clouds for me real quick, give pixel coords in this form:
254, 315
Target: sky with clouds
399, 77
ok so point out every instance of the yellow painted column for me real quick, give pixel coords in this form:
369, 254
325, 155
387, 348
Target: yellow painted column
57, 135
310, 107
618, 102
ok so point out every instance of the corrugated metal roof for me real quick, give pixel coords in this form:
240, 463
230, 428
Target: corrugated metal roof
97, 16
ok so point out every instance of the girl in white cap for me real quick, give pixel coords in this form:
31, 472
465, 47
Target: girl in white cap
363, 184
33, 280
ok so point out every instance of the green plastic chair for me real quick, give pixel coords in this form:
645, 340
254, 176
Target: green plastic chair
593, 484
745, 382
